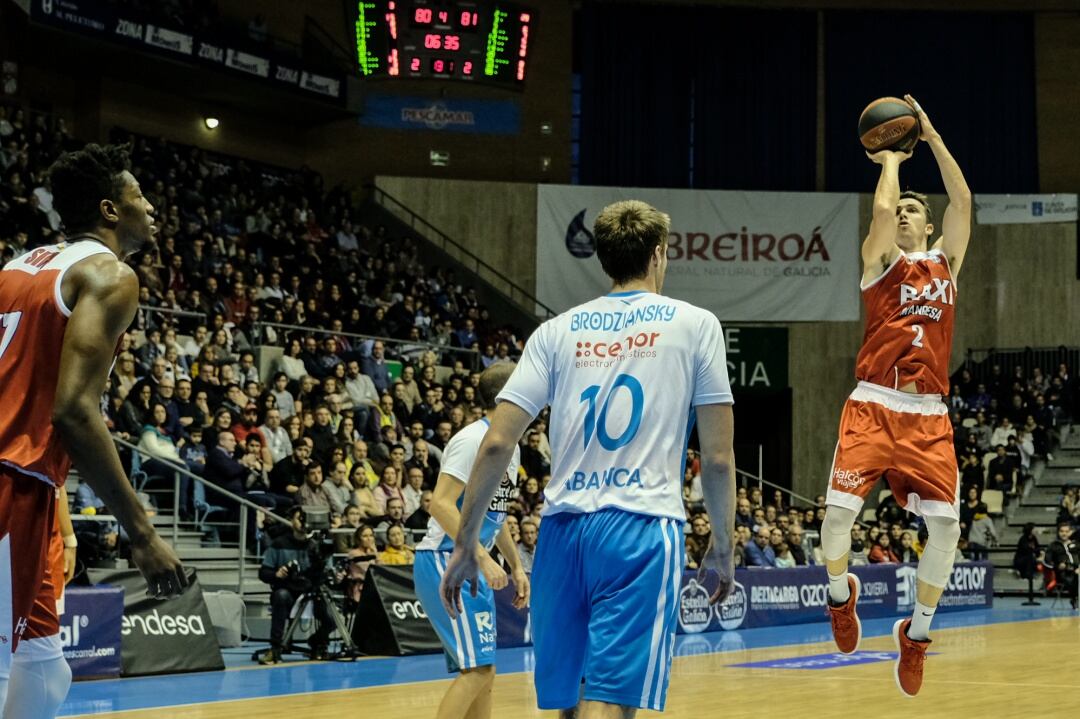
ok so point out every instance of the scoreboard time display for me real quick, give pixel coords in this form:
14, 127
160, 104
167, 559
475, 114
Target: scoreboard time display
478, 40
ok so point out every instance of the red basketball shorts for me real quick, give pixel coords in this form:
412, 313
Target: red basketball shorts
908, 438
27, 506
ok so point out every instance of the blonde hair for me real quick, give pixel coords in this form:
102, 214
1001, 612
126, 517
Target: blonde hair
627, 233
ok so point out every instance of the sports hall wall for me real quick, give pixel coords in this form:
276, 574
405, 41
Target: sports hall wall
1018, 287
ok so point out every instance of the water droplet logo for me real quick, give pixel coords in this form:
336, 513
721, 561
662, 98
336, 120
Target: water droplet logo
579, 241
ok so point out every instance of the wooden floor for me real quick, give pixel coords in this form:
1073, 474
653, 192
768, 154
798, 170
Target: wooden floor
1024, 669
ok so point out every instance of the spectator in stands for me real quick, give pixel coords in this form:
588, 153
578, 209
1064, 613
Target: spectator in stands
799, 546
697, 542
361, 393
905, 552
389, 488
971, 466
277, 438
527, 546
859, 554
287, 476
968, 508
291, 364
758, 553
1028, 552
1001, 434
312, 493
1063, 556
396, 552
375, 368
413, 490
532, 459
352, 520
982, 537
362, 496
283, 398
284, 567
881, 552
1004, 466
418, 520
339, 488
743, 515
784, 557
123, 376
322, 434
423, 461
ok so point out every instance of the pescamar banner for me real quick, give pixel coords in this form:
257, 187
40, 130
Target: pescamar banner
746, 256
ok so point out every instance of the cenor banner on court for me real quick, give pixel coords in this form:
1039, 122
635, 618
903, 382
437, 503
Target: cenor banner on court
746, 256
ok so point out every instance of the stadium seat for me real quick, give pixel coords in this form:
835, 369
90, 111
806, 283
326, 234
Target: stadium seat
869, 515
994, 500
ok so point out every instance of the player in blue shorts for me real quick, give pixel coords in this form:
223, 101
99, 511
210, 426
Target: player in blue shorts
626, 376
469, 637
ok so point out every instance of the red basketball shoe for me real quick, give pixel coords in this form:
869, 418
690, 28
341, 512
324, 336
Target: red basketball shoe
846, 627
908, 668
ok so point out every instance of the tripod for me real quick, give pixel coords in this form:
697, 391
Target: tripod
321, 593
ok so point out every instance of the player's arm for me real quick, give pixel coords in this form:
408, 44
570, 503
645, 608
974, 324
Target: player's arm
879, 248
956, 224
444, 499
67, 534
716, 430
105, 294
508, 424
509, 550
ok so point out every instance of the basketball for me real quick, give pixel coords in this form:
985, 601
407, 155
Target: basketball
888, 123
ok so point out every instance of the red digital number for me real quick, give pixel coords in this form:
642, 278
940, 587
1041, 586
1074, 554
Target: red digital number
468, 19
452, 42
443, 17
433, 41
423, 15
438, 66
414, 64
466, 69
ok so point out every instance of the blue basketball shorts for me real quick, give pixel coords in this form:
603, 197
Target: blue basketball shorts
605, 588
469, 640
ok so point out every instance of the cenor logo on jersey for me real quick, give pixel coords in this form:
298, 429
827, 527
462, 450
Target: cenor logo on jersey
620, 348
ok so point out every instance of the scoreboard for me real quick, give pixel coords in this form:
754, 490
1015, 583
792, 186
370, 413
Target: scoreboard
478, 40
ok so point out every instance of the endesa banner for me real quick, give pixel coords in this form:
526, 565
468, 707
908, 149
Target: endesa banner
90, 630
746, 256
775, 597
102, 20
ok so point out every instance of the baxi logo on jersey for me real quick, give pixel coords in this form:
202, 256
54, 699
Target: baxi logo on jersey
848, 478
937, 290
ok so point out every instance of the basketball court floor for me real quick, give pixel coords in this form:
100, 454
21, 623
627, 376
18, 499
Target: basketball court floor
1009, 661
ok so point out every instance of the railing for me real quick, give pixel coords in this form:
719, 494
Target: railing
980, 360
500, 282
245, 506
469, 357
146, 310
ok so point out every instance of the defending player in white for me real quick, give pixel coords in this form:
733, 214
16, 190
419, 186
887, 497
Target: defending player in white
469, 638
626, 376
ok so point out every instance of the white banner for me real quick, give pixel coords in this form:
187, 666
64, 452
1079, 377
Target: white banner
1024, 209
746, 256
247, 63
169, 39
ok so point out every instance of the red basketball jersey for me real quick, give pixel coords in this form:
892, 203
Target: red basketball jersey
910, 311
33, 318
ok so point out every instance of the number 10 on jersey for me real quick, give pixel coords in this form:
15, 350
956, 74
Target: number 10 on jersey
598, 426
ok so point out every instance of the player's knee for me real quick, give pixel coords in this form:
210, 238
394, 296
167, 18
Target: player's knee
59, 681
838, 520
944, 532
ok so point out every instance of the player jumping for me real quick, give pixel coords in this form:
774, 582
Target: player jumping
63, 309
625, 375
469, 639
895, 422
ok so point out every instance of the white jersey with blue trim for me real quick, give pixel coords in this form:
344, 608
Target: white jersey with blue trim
622, 374
458, 459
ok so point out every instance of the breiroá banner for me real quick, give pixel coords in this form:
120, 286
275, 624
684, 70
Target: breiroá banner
746, 256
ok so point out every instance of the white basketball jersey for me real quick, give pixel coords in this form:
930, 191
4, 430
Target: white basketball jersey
622, 374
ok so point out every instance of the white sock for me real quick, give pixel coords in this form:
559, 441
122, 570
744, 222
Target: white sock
839, 589
919, 629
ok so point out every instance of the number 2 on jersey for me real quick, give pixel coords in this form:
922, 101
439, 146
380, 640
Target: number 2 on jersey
8, 324
598, 426
918, 330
